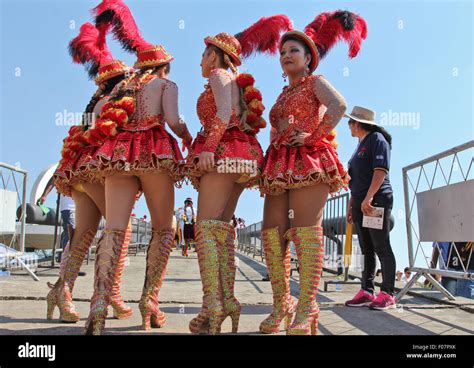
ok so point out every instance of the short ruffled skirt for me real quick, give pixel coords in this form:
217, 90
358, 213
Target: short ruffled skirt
292, 167
237, 152
68, 178
130, 153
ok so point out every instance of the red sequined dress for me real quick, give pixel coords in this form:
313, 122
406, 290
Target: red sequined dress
313, 106
66, 176
143, 144
234, 143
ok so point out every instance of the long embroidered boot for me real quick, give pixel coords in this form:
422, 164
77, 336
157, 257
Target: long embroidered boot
208, 255
309, 248
158, 255
279, 266
121, 310
107, 257
71, 261
225, 236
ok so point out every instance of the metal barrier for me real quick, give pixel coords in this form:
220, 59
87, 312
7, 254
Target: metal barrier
141, 235
10, 174
339, 252
444, 209
337, 258
250, 240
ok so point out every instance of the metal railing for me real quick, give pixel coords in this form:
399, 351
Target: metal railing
334, 226
428, 177
249, 240
141, 235
8, 178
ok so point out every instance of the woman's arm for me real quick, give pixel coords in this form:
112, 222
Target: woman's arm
336, 107
171, 111
377, 180
221, 85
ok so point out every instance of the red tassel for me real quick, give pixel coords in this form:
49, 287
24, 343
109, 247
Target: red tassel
245, 80
264, 35
108, 128
251, 93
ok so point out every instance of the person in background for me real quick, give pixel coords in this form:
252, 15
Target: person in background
406, 276
439, 249
189, 220
370, 187
460, 259
67, 210
399, 275
179, 213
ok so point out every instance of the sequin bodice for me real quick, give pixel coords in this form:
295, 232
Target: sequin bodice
207, 111
297, 107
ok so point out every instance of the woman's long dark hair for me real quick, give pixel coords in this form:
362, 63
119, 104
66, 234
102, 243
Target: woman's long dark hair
126, 91
376, 128
103, 90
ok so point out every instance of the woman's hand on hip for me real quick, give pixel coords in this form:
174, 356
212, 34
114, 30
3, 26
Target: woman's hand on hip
297, 138
206, 161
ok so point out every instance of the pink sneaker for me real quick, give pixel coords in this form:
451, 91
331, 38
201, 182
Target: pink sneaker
383, 301
362, 299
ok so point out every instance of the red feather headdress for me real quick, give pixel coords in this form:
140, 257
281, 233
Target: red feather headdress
264, 35
330, 27
125, 29
89, 48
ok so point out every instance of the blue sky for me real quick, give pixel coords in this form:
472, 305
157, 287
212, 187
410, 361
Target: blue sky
417, 59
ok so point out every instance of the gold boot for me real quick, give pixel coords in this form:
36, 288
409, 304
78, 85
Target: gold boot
107, 257
208, 255
279, 266
158, 255
121, 310
228, 269
71, 261
309, 248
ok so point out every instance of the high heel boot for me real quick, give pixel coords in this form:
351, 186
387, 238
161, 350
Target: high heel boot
309, 248
158, 255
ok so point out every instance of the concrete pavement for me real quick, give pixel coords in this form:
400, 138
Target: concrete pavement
23, 305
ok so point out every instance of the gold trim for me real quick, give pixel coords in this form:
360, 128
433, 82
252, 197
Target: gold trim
109, 74
155, 48
153, 62
224, 47
278, 185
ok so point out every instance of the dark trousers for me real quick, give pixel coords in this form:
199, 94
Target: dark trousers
375, 242
67, 219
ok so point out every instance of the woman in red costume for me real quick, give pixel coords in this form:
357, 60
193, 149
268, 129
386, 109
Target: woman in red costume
302, 167
88, 48
138, 154
226, 158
